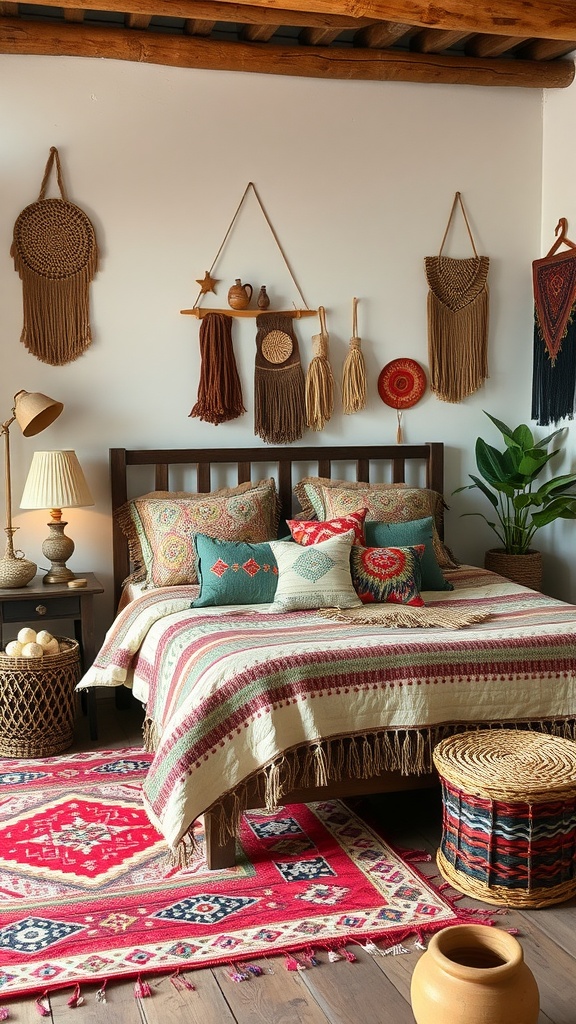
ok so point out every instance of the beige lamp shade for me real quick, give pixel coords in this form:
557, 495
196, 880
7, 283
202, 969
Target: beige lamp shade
34, 411
55, 480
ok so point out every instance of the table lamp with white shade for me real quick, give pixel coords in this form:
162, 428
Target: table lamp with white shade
33, 412
56, 481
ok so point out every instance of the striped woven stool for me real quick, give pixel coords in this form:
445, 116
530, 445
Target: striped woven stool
508, 816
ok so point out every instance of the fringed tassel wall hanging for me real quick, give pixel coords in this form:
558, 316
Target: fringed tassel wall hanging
457, 320
354, 371
219, 390
279, 385
554, 358
319, 379
55, 253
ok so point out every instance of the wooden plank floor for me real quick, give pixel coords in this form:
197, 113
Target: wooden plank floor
372, 989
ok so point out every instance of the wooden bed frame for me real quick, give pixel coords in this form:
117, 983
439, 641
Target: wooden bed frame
246, 464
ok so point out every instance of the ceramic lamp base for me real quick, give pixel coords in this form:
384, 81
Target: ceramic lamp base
58, 548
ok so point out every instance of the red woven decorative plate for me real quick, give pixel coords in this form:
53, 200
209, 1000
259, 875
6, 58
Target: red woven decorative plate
401, 383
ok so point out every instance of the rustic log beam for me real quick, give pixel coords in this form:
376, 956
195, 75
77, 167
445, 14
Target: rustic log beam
547, 49
212, 10
492, 46
137, 20
258, 33
73, 14
318, 36
61, 39
434, 40
197, 27
383, 34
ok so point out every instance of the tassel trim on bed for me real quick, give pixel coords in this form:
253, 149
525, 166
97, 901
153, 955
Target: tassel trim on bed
405, 617
408, 752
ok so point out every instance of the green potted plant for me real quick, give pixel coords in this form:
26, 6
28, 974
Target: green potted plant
522, 505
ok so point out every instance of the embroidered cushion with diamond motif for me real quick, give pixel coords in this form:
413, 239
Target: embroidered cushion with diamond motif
389, 575
305, 531
315, 576
234, 572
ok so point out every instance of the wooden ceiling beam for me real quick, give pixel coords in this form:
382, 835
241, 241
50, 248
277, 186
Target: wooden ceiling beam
212, 10
258, 33
8, 9
18, 36
383, 34
137, 20
491, 46
547, 49
318, 36
198, 27
434, 40
73, 14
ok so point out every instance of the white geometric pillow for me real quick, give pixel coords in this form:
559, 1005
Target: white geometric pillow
316, 576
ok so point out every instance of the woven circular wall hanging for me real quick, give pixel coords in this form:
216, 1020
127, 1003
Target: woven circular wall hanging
277, 346
401, 385
55, 253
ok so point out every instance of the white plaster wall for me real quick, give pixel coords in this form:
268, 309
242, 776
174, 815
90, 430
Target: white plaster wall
358, 180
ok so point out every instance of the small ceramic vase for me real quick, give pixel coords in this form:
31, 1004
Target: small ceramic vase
239, 295
474, 974
263, 300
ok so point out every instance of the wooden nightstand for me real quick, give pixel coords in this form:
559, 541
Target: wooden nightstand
40, 602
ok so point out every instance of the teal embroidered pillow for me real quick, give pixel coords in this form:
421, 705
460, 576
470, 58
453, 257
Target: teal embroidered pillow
387, 575
419, 531
234, 572
315, 575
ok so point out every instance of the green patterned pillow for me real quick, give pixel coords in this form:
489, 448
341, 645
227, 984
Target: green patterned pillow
419, 531
314, 576
234, 572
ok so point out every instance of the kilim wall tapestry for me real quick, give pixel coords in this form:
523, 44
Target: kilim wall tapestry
554, 358
55, 252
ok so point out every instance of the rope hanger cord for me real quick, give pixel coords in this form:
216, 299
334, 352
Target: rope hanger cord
457, 199
252, 186
54, 156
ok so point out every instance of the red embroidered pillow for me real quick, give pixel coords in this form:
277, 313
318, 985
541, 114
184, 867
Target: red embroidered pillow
387, 575
311, 531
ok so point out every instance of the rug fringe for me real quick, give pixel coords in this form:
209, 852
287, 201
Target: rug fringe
404, 617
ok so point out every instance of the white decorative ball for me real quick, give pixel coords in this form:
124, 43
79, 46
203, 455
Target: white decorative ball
52, 648
44, 638
14, 649
32, 650
27, 635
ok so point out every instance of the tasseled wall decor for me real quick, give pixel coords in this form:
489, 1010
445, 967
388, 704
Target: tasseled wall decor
457, 320
219, 390
319, 379
279, 385
354, 371
554, 361
55, 253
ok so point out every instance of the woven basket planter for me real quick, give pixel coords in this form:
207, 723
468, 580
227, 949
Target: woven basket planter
523, 569
38, 702
508, 816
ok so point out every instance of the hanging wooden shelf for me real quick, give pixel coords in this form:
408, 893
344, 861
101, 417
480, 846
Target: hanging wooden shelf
296, 314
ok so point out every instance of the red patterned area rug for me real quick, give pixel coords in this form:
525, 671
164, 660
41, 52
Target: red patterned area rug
86, 892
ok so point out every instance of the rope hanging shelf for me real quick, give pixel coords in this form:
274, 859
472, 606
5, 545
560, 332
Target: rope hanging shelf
208, 283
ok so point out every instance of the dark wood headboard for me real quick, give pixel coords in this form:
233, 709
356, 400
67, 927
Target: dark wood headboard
246, 463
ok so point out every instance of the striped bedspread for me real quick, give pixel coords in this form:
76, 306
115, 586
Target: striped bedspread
230, 691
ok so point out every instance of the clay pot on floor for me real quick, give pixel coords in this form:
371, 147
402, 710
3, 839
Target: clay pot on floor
474, 974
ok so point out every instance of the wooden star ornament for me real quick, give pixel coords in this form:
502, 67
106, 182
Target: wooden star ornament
207, 284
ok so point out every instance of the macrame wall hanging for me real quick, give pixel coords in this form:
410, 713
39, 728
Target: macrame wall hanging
319, 379
554, 359
55, 253
457, 320
219, 390
279, 384
279, 415
354, 371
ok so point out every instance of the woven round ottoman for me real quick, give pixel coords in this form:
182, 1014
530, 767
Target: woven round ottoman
508, 816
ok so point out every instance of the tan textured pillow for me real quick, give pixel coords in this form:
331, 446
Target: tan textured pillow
160, 527
392, 503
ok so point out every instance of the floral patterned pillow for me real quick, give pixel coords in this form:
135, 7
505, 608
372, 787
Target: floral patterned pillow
305, 531
161, 526
387, 575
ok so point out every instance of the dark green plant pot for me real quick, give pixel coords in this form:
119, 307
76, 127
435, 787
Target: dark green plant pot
523, 569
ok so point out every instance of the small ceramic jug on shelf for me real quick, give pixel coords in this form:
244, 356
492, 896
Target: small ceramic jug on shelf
263, 300
239, 295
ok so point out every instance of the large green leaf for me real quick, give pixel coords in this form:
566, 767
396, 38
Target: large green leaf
506, 432
560, 508
494, 466
485, 490
559, 485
